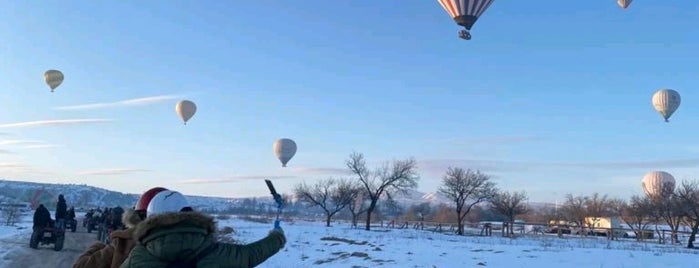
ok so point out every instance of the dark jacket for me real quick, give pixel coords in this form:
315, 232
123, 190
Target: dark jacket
61, 208
180, 236
117, 214
42, 217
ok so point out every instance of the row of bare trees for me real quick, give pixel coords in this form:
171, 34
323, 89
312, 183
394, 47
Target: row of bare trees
467, 188
680, 206
361, 194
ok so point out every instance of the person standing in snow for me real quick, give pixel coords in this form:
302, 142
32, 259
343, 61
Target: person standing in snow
112, 255
175, 234
61, 212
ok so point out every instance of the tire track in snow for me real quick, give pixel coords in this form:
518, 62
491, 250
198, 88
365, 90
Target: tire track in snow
19, 254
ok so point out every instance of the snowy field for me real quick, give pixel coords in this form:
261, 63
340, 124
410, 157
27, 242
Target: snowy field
9, 235
311, 244
314, 245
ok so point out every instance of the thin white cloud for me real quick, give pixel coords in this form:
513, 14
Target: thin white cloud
12, 165
123, 103
491, 140
20, 142
234, 179
113, 171
320, 170
29, 144
3, 151
42, 146
21, 169
440, 165
58, 122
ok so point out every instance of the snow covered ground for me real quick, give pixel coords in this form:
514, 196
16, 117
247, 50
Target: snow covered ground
10, 235
313, 245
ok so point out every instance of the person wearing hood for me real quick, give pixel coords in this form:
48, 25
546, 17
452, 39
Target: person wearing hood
42, 218
175, 234
61, 211
100, 255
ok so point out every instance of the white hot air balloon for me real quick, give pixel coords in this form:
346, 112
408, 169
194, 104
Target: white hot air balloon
185, 109
624, 3
53, 78
666, 102
658, 184
284, 149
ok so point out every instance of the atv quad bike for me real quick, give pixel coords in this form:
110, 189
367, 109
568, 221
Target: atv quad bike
71, 224
48, 235
92, 224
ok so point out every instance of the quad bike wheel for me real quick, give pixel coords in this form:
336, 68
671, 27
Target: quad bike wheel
58, 246
34, 239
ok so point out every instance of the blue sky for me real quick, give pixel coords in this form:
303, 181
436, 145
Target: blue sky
548, 98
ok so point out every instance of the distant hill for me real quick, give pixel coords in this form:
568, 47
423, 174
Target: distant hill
85, 196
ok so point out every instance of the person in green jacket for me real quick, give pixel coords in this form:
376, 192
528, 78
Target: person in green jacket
173, 232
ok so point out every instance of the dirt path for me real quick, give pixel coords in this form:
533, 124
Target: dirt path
22, 256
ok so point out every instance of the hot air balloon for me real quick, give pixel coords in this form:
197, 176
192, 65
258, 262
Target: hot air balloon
53, 78
658, 184
284, 149
185, 109
624, 3
666, 102
465, 13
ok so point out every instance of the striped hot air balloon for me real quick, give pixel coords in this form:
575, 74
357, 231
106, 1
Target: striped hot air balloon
465, 13
53, 78
624, 3
666, 102
658, 184
284, 150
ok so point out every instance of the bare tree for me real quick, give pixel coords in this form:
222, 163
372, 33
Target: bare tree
510, 205
466, 188
419, 212
331, 195
574, 210
10, 214
596, 207
617, 206
398, 176
670, 210
688, 197
637, 215
545, 214
358, 206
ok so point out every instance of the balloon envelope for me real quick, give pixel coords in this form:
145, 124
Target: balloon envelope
465, 12
666, 102
53, 78
624, 3
658, 184
284, 149
185, 109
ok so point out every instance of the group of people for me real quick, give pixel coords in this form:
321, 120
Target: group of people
162, 229
42, 216
105, 221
